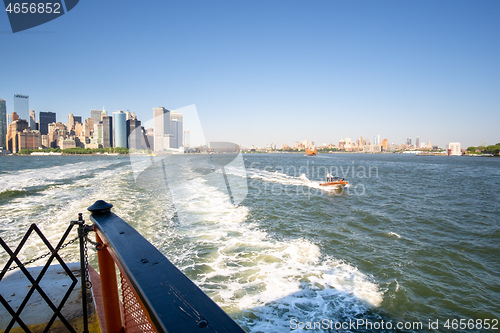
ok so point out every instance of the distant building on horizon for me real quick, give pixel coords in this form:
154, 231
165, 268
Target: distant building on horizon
15, 128
135, 133
32, 120
22, 106
187, 138
107, 131
177, 129
3, 123
96, 116
119, 129
454, 149
161, 128
176, 132
46, 118
71, 122
97, 139
385, 145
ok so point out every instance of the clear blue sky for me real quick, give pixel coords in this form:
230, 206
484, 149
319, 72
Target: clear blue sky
262, 72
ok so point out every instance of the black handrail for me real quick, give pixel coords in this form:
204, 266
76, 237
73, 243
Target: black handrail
173, 302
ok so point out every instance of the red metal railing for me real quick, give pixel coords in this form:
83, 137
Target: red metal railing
156, 296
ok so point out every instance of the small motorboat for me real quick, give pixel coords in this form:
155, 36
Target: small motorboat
311, 152
334, 182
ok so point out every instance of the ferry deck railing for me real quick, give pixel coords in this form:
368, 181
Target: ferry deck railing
156, 295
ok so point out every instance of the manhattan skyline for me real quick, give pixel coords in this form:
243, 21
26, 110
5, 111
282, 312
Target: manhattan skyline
262, 73
407, 141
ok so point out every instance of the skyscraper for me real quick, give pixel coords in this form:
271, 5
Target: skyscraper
385, 145
177, 116
134, 133
98, 137
96, 115
71, 122
161, 128
12, 138
417, 142
32, 120
107, 131
3, 123
46, 118
119, 129
21, 106
176, 131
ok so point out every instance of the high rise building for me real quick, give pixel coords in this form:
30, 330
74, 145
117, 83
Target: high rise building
96, 115
417, 142
32, 120
97, 138
176, 132
134, 134
177, 116
150, 136
71, 122
3, 123
161, 128
87, 127
107, 131
119, 129
385, 145
46, 118
78, 119
16, 127
21, 106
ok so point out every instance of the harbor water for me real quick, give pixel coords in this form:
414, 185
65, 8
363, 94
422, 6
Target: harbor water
412, 241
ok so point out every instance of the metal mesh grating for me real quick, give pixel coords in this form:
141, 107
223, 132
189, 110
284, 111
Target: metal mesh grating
35, 282
135, 320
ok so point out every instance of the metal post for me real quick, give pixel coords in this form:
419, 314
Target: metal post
83, 271
109, 286
109, 289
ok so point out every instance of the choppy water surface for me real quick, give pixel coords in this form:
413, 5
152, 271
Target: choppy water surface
412, 239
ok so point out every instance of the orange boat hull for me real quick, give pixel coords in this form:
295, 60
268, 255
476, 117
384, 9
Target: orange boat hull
310, 152
341, 183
